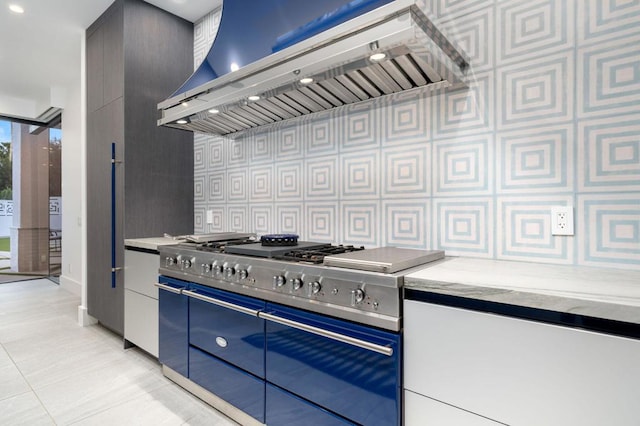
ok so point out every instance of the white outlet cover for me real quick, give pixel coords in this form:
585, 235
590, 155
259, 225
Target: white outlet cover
209, 217
562, 220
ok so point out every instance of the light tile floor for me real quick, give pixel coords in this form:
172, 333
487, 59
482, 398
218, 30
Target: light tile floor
54, 372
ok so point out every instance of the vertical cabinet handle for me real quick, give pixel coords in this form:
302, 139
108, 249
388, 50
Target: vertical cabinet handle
114, 269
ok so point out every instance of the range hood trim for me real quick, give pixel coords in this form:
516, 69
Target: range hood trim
398, 25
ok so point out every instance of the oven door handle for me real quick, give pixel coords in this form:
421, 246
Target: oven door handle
208, 299
363, 344
168, 288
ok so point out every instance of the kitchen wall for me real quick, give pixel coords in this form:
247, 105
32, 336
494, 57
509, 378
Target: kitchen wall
551, 117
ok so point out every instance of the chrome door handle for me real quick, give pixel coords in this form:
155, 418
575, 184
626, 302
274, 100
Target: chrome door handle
168, 288
237, 308
363, 344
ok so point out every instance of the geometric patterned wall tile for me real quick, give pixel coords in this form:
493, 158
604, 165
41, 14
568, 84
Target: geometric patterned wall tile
609, 236
199, 218
609, 157
536, 160
360, 175
534, 27
474, 33
218, 223
360, 127
464, 226
237, 185
361, 224
216, 158
199, 153
261, 184
465, 111
602, 19
237, 152
463, 165
261, 218
217, 182
204, 32
406, 171
290, 181
457, 8
322, 222
320, 135
405, 119
536, 92
287, 142
322, 178
199, 187
238, 218
524, 230
405, 223
261, 149
609, 77
288, 219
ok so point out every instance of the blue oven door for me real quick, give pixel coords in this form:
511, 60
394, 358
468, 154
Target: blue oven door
348, 369
173, 310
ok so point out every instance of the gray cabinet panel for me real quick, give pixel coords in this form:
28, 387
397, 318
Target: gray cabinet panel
131, 66
113, 55
95, 70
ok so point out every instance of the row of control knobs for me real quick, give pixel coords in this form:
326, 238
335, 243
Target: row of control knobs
357, 295
296, 283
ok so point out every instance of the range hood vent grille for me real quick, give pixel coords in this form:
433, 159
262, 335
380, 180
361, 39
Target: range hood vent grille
418, 56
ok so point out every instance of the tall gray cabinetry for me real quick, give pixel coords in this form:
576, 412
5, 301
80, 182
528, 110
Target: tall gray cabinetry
136, 56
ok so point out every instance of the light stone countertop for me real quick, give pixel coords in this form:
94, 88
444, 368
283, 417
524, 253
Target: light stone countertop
150, 243
602, 293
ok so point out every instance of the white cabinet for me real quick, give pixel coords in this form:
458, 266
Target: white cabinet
422, 411
141, 299
515, 371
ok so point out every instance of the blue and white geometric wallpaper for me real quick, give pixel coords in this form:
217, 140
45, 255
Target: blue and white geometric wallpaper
551, 117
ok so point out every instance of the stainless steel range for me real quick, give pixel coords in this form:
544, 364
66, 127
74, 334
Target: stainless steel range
281, 331
352, 283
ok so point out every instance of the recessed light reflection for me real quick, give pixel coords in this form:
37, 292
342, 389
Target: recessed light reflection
213, 111
306, 80
234, 67
15, 8
254, 98
181, 121
377, 57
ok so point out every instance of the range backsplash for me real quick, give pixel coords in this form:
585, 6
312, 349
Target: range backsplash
551, 118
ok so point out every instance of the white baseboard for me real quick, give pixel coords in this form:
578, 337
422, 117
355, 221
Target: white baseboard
71, 285
84, 319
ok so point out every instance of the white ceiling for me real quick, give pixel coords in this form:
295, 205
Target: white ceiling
40, 49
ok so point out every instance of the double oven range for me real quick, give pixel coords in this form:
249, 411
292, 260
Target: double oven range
284, 332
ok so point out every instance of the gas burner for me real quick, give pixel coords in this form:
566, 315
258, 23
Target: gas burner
217, 246
316, 255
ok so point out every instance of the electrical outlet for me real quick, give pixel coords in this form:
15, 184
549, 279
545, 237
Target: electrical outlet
209, 217
562, 220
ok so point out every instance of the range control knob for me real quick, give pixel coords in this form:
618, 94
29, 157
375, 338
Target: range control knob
170, 261
186, 263
279, 280
229, 271
315, 287
218, 269
206, 268
296, 283
243, 274
357, 296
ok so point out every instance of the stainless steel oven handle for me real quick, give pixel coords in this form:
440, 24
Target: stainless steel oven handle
168, 288
384, 350
238, 308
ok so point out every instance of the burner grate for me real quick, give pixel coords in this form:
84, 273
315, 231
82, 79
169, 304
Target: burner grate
316, 255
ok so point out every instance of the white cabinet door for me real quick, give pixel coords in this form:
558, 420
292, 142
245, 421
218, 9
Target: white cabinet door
422, 411
520, 372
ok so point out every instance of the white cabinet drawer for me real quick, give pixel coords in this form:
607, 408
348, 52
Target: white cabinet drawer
422, 411
520, 372
141, 272
141, 321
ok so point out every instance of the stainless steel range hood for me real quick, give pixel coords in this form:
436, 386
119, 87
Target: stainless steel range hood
338, 60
